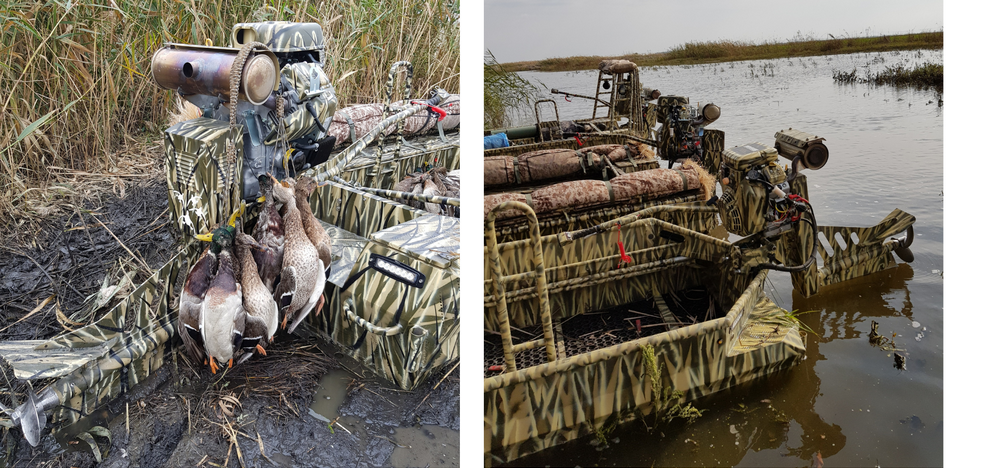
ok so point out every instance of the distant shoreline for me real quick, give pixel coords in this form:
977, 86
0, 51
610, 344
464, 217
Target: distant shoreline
728, 51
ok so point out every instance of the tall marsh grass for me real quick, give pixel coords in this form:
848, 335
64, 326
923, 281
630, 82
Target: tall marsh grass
77, 97
504, 93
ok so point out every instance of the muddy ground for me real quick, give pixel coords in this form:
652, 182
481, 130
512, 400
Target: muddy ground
257, 414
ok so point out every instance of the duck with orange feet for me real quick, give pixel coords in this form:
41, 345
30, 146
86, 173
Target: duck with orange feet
302, 279
261, 310
223, 317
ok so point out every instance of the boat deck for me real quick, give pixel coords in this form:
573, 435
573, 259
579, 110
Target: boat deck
591, 331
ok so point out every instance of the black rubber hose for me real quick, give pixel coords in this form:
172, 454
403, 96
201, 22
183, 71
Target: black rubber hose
812, 256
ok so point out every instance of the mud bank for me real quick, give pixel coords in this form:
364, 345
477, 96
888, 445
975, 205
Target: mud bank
256, 414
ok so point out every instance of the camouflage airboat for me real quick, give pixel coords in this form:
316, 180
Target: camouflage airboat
603, 271
392, 290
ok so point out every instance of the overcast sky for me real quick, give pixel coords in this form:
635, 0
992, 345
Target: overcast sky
519, 30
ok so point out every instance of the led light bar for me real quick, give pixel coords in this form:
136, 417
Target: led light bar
397, 271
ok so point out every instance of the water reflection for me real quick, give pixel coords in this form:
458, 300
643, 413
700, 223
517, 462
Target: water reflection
848, 308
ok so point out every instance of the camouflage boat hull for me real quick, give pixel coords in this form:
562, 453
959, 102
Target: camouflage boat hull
542, 406
588, 378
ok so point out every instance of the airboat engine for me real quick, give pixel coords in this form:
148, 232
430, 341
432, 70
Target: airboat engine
752, 186
275, 68
683, 129
804, 150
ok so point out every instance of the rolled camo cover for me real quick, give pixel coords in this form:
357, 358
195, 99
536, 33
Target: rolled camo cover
549, 164
365, 117
616, 66
585, 193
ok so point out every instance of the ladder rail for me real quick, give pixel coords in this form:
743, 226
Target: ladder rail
500, 290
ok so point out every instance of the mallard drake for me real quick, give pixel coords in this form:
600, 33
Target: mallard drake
304, 188
192, 298
269, 231
222, 316
302, 281
261, 310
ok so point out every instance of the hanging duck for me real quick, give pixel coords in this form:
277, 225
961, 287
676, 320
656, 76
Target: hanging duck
261, 310
269, 231
222, 315
302, 278
193, 297
304, 188
196, 285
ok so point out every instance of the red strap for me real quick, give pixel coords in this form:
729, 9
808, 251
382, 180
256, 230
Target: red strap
437, 110
625, 258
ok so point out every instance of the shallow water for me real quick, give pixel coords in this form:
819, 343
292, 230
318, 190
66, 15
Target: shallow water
845, 403
425, 446
420, 445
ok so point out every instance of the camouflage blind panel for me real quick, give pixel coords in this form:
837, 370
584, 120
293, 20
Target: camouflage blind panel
401, 159
198, 172
92, 365
586, 274
281, 36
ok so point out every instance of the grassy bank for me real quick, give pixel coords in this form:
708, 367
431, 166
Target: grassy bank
79, 110
728, 51
927, 75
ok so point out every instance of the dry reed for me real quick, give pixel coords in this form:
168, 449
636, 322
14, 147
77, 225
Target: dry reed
77, 94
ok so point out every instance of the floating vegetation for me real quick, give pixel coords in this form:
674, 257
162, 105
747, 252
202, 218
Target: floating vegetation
898, 361
926, 75
601, 433
887, 344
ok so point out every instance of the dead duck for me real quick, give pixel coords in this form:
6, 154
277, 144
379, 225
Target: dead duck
304, 188
222, 315
302, 279
193, 297
269, 231
261, 310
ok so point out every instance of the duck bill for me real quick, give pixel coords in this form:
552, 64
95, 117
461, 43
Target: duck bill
237, 213
204, 237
